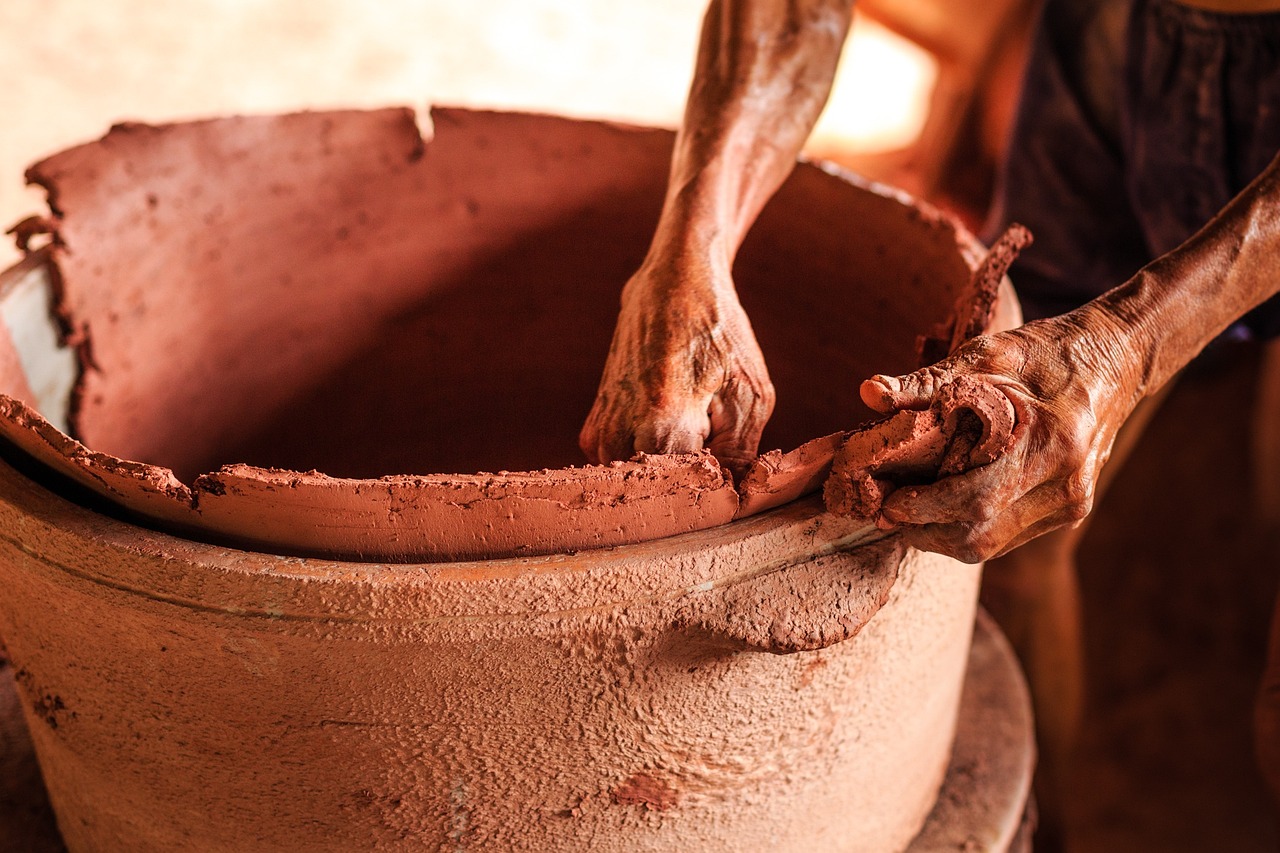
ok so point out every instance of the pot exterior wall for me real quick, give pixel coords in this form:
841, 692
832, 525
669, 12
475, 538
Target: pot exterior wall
164, 719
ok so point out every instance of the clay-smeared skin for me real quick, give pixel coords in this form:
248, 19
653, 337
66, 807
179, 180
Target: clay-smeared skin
1074, 379
684, 368
967, 424
1060, 384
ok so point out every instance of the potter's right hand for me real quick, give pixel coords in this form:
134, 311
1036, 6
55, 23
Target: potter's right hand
1072, 381
684, 371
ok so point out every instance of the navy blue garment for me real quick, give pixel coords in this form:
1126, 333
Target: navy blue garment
1139, 121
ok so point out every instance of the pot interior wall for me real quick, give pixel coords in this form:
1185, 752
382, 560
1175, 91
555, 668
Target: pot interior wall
320, 292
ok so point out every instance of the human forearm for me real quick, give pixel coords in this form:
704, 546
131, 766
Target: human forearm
763, 73
684, 370
1074, 379
1180, 302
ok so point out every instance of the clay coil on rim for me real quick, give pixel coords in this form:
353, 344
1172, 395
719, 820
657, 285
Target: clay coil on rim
346, 298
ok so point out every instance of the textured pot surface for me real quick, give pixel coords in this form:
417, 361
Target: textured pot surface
183, 696
594, 658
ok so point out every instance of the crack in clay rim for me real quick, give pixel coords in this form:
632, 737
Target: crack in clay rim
692, 492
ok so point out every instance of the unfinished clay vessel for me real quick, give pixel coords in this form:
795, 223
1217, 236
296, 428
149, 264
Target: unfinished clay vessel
263, 600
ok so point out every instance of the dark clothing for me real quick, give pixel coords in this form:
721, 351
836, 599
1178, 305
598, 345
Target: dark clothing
1140, 120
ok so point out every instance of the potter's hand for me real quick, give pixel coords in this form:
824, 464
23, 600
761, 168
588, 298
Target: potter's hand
684, 368
684, 371
1072, 381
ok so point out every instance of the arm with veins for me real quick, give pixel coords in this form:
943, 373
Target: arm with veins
684, 369
1075, 378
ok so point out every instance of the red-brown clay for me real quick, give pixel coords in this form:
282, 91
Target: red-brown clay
28, 229
970, 424
223, 699
975, 309
984, 794
644, 790
785, 681
978, 304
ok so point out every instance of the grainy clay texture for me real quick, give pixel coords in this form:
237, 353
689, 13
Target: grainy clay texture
184, 696
345, 299
980, 807
970, 424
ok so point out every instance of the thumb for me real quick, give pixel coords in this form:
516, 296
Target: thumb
916, 390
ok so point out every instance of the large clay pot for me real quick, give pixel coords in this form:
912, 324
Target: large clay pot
320, 291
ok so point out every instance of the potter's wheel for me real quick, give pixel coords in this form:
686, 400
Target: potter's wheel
984, 797
980, 807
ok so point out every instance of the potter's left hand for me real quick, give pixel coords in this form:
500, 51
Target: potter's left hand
1072, 381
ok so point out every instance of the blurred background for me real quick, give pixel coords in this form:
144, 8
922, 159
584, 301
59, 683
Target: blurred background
74, 67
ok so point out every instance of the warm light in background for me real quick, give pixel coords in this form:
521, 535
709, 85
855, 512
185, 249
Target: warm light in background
73, 67
881, 96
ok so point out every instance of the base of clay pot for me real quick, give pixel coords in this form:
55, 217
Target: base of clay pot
980, 807
984, 799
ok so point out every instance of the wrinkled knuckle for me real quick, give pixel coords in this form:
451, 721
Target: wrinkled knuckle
762, 406
982, 547
766, 396
981, 347
1077, 498
1081, 437
1077, 511
969, 550
924, 383
984, 512
748, 402
755, 394
952, 540
935, 376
